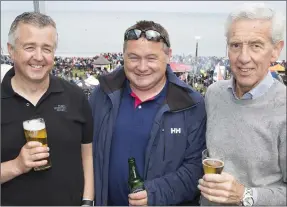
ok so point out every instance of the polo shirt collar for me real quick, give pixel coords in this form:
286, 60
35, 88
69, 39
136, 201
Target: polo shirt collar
8, 92
254, 93
156, 98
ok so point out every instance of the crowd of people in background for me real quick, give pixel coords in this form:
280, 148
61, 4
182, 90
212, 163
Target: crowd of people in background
6, 60
77, 69
201, 62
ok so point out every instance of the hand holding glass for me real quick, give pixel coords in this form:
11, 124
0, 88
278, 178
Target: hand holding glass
35, 130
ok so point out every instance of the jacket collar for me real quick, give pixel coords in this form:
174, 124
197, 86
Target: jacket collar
178, 93
8, 92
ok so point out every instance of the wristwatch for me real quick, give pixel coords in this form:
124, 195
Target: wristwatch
247, 199
86, 202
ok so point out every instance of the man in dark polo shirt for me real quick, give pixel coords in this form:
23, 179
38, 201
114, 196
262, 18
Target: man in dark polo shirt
143, 110
28, 90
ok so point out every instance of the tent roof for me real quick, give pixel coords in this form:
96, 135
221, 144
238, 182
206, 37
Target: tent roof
101, 61
277, 67
92, 81
179, 67
4, 69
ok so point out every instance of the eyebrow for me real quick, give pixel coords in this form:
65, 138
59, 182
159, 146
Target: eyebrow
234, 41
256, 42
152, 55
249, 42
148, 56
132, 54
29, 43
34, 44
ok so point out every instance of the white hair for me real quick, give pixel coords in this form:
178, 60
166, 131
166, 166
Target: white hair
262, 12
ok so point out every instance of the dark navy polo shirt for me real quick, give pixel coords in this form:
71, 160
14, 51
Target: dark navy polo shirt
130, 138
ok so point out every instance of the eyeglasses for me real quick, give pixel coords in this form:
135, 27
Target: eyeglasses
151, 35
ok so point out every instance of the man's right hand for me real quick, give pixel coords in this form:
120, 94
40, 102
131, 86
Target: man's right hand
28, 156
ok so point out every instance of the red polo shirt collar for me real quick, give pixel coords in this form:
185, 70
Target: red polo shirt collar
137, 99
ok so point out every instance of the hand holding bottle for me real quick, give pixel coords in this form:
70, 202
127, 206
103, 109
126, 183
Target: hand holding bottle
138, 199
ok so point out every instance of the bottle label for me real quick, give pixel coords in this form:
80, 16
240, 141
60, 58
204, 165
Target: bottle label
137, 189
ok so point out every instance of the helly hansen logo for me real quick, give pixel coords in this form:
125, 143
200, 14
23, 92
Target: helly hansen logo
175, 130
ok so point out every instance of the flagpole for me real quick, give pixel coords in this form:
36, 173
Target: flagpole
39, 6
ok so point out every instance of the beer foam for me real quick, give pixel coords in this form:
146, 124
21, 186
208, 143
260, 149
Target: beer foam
212, 162
33, 125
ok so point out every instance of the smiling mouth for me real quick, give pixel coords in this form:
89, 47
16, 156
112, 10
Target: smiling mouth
142, 75
36, 66
245, 69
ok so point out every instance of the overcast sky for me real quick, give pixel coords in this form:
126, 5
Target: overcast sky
162, 6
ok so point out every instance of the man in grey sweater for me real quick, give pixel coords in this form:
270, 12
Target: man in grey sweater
246, 115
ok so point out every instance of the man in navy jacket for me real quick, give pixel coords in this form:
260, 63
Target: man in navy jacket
143, 110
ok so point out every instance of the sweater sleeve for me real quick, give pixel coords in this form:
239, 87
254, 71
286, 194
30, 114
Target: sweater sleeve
275, 195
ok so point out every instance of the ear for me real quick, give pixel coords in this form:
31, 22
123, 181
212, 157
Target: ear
11, 51
276, 51
169, 55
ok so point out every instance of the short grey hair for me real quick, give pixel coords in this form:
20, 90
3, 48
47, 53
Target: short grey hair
262, 12
33, 18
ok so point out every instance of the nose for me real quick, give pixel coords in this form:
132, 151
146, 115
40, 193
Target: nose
142, 65
244, 56
38, 55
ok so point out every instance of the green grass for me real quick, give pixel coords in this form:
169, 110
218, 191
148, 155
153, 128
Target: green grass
80, 73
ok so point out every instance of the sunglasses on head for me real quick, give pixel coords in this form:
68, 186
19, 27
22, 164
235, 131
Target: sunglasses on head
151, 35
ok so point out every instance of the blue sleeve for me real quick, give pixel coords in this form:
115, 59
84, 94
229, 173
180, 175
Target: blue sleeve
93, 101
181, 185
93, 98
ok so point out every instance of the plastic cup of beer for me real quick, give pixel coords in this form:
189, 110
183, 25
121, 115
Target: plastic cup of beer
211, 164
35, 130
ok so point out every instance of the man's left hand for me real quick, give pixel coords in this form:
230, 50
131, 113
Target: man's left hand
138, 199
221, 188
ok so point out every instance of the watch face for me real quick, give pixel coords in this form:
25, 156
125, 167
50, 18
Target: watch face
248, 201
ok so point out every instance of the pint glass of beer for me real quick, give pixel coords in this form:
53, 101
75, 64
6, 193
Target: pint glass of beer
35, 130
211, 164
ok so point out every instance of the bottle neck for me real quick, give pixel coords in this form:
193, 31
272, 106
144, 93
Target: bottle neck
133, 172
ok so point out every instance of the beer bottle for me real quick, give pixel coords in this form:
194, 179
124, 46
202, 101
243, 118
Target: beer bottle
135, 182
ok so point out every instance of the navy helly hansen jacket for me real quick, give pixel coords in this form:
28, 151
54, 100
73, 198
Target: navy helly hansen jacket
173, 163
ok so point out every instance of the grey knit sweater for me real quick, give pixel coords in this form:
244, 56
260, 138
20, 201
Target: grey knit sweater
251, 136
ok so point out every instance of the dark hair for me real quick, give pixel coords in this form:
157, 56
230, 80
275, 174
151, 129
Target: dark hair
146, 25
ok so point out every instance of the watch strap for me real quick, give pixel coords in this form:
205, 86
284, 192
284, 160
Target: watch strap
87, 203
248, 193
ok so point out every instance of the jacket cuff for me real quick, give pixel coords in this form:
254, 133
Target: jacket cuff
150, 193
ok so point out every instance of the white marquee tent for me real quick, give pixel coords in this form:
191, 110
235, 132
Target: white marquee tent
4, 69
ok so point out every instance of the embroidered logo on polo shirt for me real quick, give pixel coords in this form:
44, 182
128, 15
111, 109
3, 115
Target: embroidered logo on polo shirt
62, 108
175, 130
